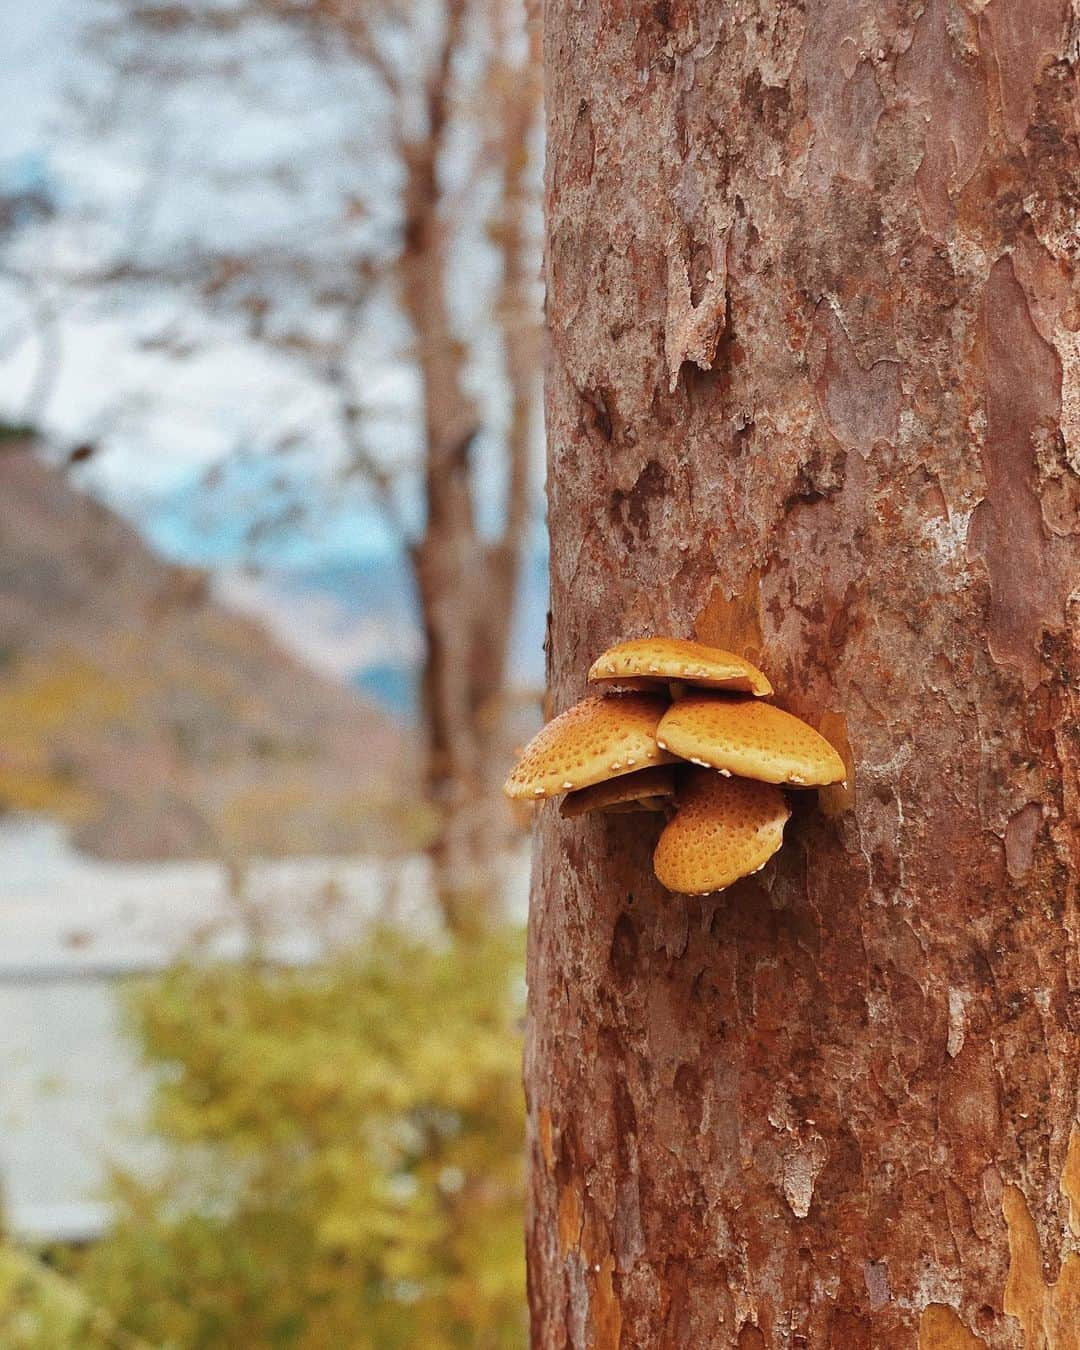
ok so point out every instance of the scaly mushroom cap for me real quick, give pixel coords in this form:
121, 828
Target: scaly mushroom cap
664, 658
599, 738
645, 790
722, 829
751, 739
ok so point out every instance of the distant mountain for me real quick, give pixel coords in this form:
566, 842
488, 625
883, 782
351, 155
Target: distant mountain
157, 721
316, 562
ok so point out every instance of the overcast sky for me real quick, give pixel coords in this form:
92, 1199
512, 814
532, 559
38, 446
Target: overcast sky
260, 154
261, 147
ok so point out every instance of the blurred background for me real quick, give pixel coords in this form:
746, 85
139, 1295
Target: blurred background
272, 606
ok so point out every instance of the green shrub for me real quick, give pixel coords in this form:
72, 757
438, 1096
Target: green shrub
344, 1148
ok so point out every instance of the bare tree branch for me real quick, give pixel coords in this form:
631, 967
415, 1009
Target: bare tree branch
467, 585
47, 328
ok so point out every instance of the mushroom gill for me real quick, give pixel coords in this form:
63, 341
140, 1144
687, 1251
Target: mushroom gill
645, 790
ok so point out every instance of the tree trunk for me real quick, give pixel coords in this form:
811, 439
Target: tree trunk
467, 584
446, 560
814, 394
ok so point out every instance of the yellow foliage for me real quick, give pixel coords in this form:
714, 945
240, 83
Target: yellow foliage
278, 817
37, 698
40, 1310
346, 1155
45, 705
29, 788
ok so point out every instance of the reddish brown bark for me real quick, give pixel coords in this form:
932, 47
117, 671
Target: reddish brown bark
813, 393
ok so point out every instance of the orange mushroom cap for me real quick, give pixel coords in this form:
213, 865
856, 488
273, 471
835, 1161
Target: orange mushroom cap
722, 829
665, 658
644, 790
599, 738
751, 739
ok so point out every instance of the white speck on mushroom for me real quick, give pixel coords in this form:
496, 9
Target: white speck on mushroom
701, 763
795, 778
615, 764
630, 760
568, 785
662, 744
724, 773
538, 792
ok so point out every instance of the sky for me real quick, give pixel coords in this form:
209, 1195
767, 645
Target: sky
266, 148
152, 169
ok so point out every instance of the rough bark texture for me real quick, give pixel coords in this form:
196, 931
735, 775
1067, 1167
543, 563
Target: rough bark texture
814, 393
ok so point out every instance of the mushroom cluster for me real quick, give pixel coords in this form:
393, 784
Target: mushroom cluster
686, 733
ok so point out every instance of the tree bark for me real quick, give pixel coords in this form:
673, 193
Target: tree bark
814, 394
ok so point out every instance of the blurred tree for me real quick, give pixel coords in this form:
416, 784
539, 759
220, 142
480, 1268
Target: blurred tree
41, 1310
453, 94
345, 1145
467, 584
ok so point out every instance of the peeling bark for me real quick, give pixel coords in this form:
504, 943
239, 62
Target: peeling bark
814, 393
